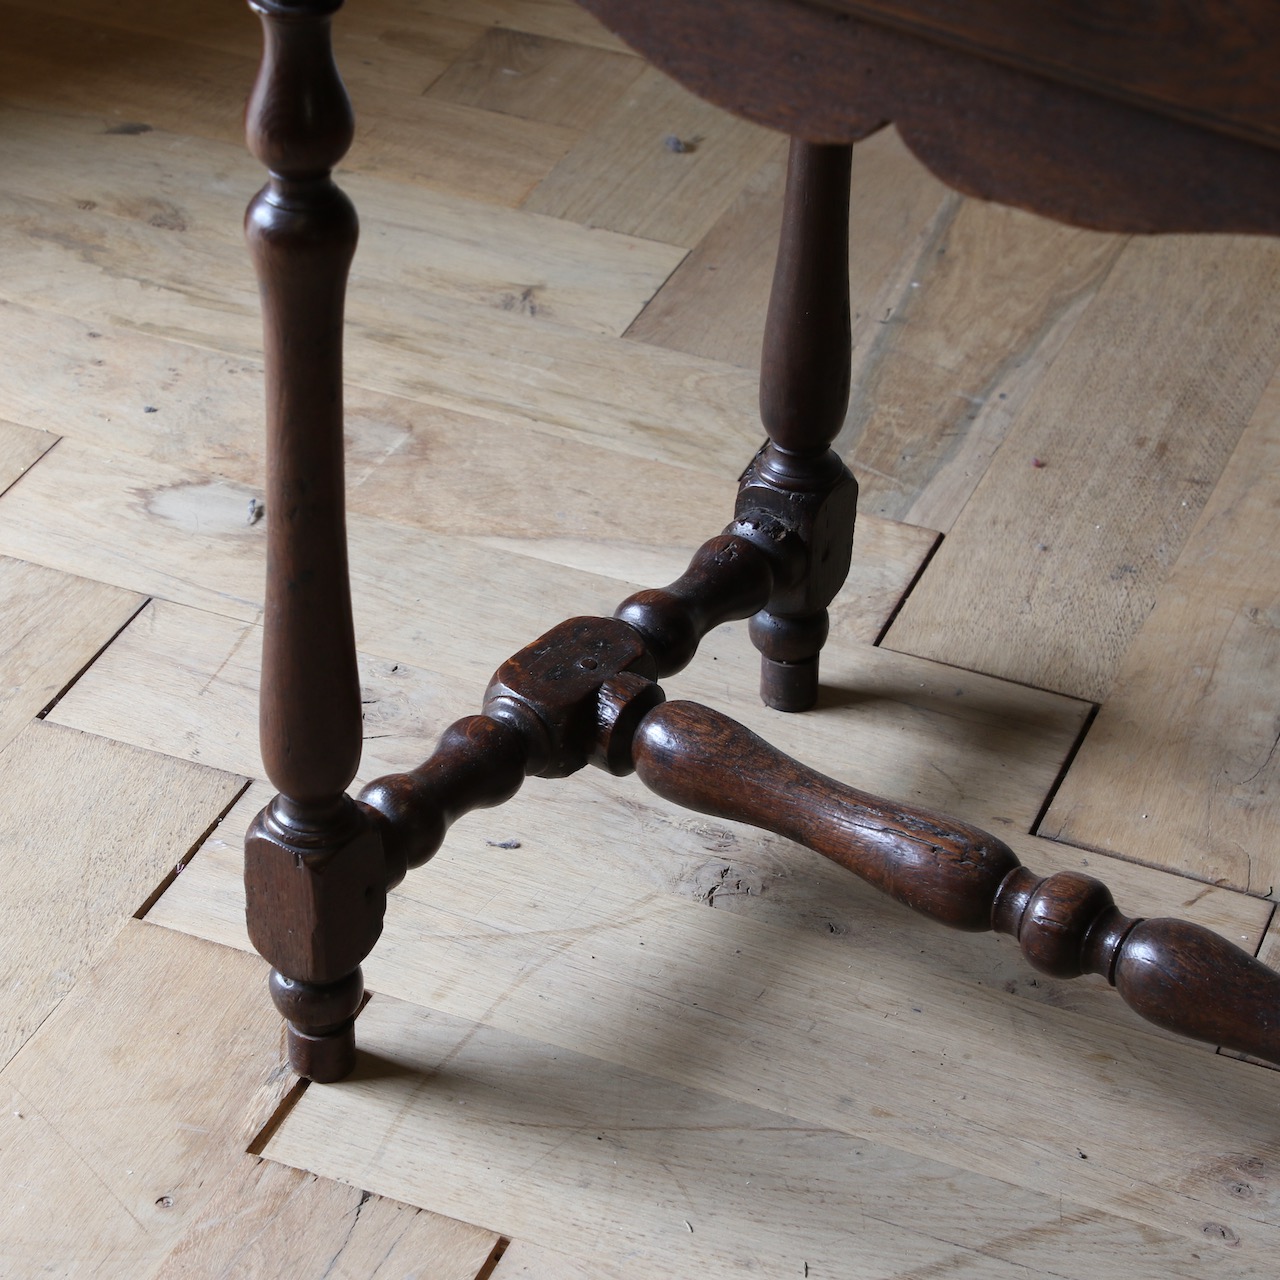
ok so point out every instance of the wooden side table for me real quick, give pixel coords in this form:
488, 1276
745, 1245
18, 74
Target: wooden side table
994, 97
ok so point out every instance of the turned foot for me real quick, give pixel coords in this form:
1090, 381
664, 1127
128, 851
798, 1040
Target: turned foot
789, 649
321, 1021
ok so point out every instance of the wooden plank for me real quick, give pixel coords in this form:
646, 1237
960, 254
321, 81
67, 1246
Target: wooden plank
909, 728
131, 82
660, 849
410, 239
145, 1092
525, 1261
1066, 558
557, 19
978, 319
56, 1214
627, 176
386, 45
482, 360
54, 625
1179, 768
133, 1105
78, 860
96, 383
428, 33
275, 1221
537, 78
20, 447
714, 304
189, 537
68, 377
119, 77
586, 1156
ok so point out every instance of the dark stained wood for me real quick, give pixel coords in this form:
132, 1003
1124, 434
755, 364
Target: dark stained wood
995, 131
319, 864
1176, 974
301, 231
797, 480
1211, 63
314, 873
550, 690
729, 577
479, 762
805, 363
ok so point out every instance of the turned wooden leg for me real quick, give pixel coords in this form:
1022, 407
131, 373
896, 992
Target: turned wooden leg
1176, 974
315, 878
804, 392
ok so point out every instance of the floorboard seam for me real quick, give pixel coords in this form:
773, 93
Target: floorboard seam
115, 635
178, 867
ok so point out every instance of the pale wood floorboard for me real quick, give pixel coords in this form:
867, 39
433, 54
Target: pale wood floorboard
78, 861
54, 625
1081, 515
126, 1120
627, 1040
1205, 798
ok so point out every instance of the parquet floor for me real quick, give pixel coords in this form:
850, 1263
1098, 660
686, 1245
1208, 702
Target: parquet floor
609, 1038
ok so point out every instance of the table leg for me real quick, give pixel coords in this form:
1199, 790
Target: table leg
314, 875
804, 392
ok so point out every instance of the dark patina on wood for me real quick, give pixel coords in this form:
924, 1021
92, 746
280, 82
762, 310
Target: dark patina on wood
319, 863
988, 108
581, 695
314, 875
1176, 974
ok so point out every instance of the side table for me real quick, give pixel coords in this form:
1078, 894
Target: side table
995, 104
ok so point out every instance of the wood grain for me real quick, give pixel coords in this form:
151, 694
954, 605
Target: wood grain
147, 1093
626, 176
430, 467
55, 624
132, 83
714, 304
593, 1156
537, 78
379, 46
557, 19
78, 861
481, 360
267, 1219
445, 244
525, 1261
20, 447
1191, 723
985, 308
1067, 557
189, 537
133, 1105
